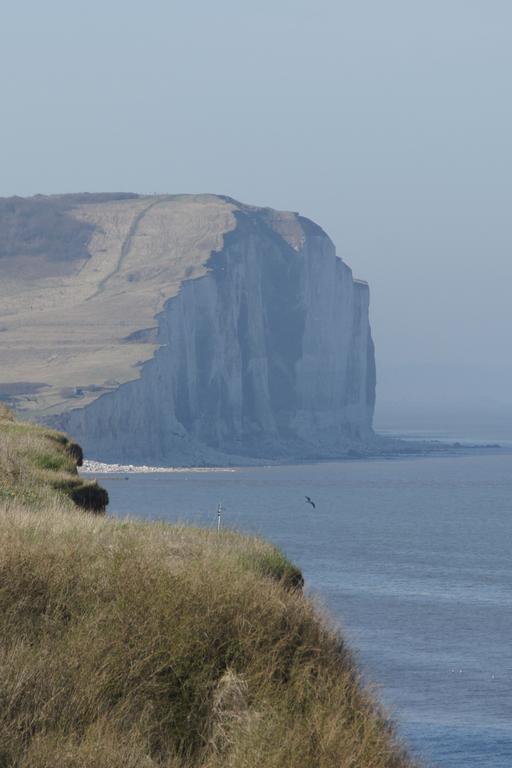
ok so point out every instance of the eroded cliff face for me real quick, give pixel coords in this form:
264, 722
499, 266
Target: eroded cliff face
266, 356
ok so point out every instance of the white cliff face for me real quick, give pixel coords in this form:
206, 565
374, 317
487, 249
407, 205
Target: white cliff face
269, 355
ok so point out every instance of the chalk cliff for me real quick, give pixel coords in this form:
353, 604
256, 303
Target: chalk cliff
260, 349
268, 355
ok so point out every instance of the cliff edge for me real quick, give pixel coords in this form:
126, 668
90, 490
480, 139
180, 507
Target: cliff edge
130, 644
39, 466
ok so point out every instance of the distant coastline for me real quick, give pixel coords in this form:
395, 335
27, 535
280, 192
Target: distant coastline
102, 467
401, 449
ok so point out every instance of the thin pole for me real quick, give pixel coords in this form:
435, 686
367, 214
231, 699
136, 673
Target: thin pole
219, 513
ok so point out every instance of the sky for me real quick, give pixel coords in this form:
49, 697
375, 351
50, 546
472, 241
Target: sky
388, 122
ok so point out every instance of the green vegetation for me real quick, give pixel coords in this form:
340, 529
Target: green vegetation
126, 644
38, 465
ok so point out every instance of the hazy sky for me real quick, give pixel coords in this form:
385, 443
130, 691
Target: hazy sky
389, 122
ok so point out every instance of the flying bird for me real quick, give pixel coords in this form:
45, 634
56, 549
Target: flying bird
309, 501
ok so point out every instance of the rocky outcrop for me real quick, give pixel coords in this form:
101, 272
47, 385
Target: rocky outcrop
266, 355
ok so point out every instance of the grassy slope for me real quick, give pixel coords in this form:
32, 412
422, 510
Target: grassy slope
38, 464
140, 645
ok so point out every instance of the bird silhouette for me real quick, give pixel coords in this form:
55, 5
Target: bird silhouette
309, 501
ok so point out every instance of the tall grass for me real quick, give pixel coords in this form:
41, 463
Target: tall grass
126, 644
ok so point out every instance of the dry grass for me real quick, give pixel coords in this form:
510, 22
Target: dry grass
5, 413
132, 644
126, 644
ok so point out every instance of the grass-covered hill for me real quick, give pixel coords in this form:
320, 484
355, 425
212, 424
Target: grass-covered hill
135, 645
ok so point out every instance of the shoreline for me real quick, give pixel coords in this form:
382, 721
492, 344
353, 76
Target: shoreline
430, 450
90, 465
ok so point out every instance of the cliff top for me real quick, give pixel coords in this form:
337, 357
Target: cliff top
38, 466
83, 277
133, 644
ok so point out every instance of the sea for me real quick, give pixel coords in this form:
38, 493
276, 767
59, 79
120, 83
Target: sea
411, 557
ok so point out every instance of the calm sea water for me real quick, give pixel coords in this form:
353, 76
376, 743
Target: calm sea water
411, 556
